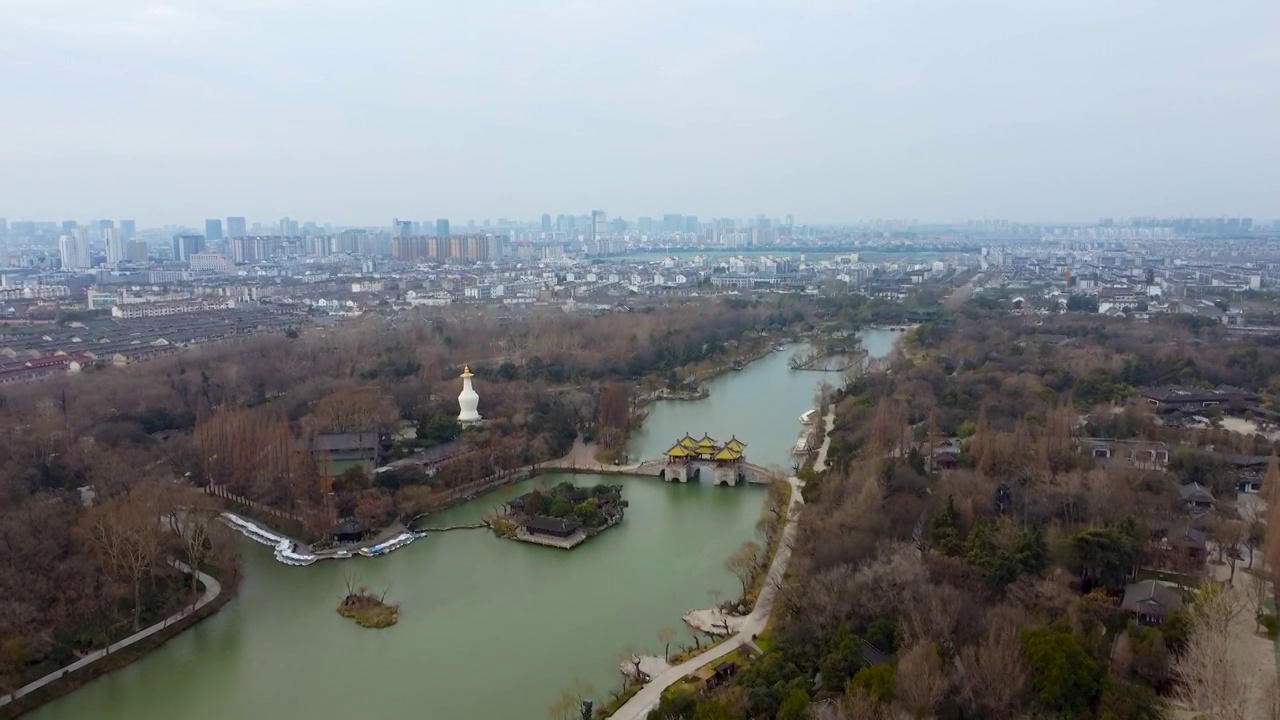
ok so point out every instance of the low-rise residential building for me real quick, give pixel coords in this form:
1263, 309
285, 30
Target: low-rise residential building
1176, 398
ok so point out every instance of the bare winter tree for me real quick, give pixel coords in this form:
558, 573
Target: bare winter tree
350, 581
743, 563
1254, 517
665, 636
568, 704
1214, 680
922, 680
1259, 589
1228, 532
993, 676
127, 532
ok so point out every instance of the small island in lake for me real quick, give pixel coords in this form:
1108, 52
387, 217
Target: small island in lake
365, 608
562, 516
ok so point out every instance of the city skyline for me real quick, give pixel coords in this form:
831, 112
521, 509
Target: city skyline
653, 223
830, 110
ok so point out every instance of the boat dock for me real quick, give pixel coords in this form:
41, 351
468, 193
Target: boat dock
287, 549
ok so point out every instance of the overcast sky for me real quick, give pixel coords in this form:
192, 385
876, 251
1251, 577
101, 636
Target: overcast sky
357, 111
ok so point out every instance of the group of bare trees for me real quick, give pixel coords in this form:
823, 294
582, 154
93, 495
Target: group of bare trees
982, 602
613, 415
76, 578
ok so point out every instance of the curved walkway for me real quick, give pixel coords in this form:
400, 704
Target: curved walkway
211, 591
642, 702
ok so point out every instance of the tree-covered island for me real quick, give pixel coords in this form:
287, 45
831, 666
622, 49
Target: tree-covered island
564, 515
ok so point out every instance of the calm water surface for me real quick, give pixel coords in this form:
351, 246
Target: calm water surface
489, 628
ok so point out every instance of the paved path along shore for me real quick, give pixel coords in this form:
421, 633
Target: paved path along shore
642, 702
828, 422
211, 591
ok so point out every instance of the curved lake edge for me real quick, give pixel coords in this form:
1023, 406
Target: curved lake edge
461, 588
228, 590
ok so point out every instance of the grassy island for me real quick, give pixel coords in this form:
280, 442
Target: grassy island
562, 516
369, 611
366, 609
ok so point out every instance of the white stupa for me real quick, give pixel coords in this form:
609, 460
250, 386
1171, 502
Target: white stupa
468, 400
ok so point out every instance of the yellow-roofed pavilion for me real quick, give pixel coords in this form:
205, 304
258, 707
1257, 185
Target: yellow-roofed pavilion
707, 449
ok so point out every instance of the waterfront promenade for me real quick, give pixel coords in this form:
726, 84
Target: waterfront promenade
642, 702
211, 591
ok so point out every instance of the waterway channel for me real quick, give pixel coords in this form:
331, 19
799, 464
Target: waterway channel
488, 628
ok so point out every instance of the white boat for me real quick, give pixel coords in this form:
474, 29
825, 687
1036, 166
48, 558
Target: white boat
385, 547
807, 418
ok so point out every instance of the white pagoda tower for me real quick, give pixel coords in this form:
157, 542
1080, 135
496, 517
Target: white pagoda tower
468, 400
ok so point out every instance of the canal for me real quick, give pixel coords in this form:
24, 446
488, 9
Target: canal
488, 628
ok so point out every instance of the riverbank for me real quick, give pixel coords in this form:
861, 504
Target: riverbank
123, 652
701, 377
648, 697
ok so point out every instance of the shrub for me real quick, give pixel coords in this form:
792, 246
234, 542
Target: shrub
1269, 624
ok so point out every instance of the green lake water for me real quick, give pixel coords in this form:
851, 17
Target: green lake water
489, 628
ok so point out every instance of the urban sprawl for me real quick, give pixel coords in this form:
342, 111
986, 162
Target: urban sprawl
78, 294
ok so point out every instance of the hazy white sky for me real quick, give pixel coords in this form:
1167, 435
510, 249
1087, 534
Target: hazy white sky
357, 111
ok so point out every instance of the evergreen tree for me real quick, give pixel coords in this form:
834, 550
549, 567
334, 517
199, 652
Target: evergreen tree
944, 534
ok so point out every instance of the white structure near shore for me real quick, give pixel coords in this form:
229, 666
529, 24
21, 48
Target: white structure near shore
714, 621
468, 400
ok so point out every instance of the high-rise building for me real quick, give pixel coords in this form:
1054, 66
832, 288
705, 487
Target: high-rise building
288, 228
672, 223
184, 246
442, 227
135, 250
128, 230
644, 225
409, 247
691, 223
564, 224
401, 228
498, 245
74, 250
546, 222
106, 224
116, 250
243, 249
599, 225
68, 227
477, 248
457, 247
213, 229
237, 227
